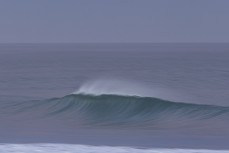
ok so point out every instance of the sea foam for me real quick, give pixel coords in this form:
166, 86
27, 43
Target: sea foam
75, 148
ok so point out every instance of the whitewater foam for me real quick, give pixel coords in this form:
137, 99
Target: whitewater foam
75, 148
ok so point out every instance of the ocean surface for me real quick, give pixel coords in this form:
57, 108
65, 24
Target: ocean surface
120, 97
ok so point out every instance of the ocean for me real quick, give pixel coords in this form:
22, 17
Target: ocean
114, 97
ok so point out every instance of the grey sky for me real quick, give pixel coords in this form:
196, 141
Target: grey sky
114, 21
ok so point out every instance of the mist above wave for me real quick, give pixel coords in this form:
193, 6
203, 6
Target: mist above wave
124, 88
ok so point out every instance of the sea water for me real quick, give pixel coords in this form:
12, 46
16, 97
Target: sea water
117, 97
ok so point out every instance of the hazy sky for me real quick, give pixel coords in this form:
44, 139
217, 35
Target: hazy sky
114, 21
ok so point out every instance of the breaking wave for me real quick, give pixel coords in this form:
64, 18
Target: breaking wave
118, 110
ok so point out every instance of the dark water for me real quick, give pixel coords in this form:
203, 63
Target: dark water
144, 95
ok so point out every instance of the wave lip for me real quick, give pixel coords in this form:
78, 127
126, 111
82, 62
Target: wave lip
113, 87
109, 86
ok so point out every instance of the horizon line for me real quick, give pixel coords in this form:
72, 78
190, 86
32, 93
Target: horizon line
114, 42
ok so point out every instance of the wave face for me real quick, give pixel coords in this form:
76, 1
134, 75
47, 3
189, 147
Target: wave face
116, 110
